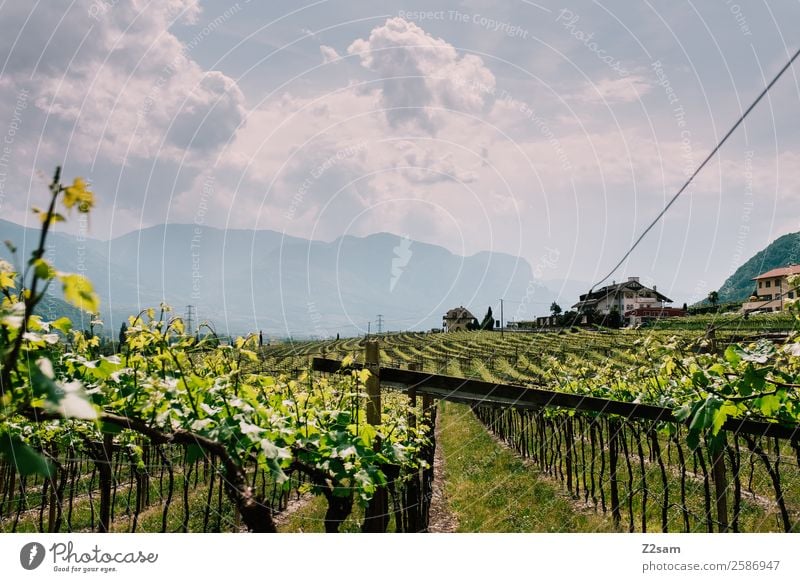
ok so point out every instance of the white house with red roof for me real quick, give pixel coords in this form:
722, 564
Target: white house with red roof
634, 302
622, 297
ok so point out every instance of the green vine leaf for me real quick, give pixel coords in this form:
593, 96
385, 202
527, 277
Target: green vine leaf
23, 457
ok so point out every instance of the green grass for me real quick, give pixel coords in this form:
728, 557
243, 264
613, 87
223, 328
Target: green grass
758, 510
309, 518
730, 321
490, 489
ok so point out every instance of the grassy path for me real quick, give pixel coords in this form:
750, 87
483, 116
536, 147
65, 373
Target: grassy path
485, 487
490, 489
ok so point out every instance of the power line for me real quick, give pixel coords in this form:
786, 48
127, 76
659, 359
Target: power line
697, 171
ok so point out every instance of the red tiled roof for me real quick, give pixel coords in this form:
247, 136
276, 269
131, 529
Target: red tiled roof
779, 272
458, 313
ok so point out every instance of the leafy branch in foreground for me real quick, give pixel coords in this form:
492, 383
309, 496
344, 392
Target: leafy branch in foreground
169, 388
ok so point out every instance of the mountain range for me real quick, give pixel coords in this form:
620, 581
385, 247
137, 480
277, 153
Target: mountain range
246, 280
781, 252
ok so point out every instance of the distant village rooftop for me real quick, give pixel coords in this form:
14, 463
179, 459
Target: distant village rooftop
779, 272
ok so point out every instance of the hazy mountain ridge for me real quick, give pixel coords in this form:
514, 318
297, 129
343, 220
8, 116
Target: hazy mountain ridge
244, 280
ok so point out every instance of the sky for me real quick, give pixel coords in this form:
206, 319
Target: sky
554, 131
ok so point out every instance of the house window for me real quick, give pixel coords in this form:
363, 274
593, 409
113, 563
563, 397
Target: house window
629, 307
768, 283
791, 294
760, 284
777, 282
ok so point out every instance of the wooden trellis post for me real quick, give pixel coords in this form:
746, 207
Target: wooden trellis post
372, 361
412, 399
376, 516
413, 501
720, 485
104, 461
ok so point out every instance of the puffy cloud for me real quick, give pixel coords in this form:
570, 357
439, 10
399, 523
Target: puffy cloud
329, 54
209, 116
418, 71
422, 164
113, 81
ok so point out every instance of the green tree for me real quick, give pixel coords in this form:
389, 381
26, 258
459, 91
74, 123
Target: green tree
713, 298
555, 309
614, 319
488, 320
569, 317
123, 329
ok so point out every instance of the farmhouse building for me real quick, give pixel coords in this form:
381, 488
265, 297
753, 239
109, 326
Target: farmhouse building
772, 290
631, 300
458, 319
621, 297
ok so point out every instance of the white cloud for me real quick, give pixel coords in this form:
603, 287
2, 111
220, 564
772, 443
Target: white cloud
616, 90
423, 164
418, 71
113, 80
329, 54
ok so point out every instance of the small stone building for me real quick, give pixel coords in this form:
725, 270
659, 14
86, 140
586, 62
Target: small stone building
458, 319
